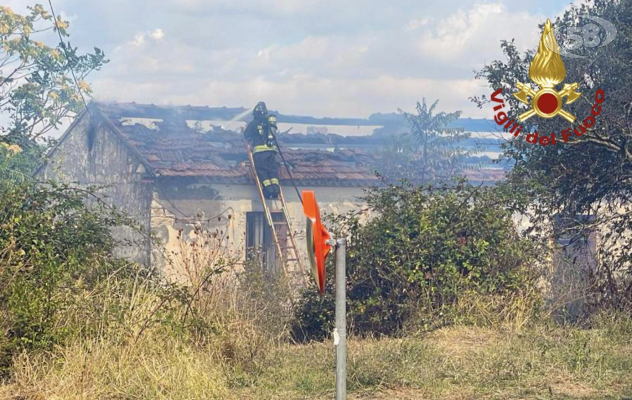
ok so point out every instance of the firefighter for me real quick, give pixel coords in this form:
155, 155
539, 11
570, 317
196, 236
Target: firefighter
260, 134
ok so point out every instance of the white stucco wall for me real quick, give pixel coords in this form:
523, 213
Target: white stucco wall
222, 208
90, 155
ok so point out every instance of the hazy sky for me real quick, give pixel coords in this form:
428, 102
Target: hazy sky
306, 57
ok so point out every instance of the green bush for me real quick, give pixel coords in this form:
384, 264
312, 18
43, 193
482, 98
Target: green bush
52, 248
421, 251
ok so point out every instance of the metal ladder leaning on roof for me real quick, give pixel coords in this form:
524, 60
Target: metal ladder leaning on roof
276, 227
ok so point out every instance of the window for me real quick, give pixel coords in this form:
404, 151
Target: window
259, 239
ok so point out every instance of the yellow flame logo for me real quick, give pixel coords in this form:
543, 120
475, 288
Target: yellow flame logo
547, 70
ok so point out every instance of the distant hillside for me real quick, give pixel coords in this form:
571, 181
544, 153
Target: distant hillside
475, 125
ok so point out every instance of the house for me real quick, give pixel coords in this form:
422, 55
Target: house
172, 169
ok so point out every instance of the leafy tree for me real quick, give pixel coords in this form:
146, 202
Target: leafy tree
429, 151
17, 162
399, 159
424, 250
37, 89
591, 175
437, 143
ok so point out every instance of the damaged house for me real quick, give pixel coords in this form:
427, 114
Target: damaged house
172, 169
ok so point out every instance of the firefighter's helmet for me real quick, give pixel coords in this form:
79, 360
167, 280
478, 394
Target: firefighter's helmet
260, 111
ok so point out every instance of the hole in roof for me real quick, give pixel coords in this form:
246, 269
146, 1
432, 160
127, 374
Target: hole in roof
204, 126
150, 123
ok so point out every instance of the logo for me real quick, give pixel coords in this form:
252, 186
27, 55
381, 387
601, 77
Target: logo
547, 70
595, 32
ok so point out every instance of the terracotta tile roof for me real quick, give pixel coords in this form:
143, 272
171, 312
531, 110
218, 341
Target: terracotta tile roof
174, 149
171, 148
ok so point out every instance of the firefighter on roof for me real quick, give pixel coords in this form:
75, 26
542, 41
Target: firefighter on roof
260, 134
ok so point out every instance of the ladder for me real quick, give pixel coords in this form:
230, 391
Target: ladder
282, 234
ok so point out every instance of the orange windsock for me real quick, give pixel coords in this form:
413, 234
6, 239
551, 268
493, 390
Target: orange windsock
317, 237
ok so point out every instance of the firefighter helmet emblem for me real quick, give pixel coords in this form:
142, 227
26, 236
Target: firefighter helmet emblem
547, 70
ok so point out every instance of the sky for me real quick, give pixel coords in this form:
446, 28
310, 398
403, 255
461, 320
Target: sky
320, 58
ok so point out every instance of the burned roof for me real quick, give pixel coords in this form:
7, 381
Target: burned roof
215, 113
171, 146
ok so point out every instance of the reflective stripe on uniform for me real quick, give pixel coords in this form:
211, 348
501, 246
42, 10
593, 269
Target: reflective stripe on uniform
274, 181
267, 182
263, 147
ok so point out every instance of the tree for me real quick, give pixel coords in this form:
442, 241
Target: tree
14, 164
37, 88
429, 151
591, 175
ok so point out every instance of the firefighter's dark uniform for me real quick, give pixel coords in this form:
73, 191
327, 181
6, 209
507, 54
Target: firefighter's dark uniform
259, 133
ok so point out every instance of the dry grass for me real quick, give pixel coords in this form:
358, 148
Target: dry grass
154, 368
232, 345
193, 339
452, 363
460, 363
508, 311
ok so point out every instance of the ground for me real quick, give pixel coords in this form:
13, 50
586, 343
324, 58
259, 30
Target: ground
464, 363
452, 363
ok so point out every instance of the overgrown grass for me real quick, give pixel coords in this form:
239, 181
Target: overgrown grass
156, 367
229, 340
462, 362
547, 362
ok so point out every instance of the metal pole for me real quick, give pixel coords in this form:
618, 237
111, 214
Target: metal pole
340, 332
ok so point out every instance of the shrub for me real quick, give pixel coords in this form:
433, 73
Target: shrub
425, 247
60, 283
53, 248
